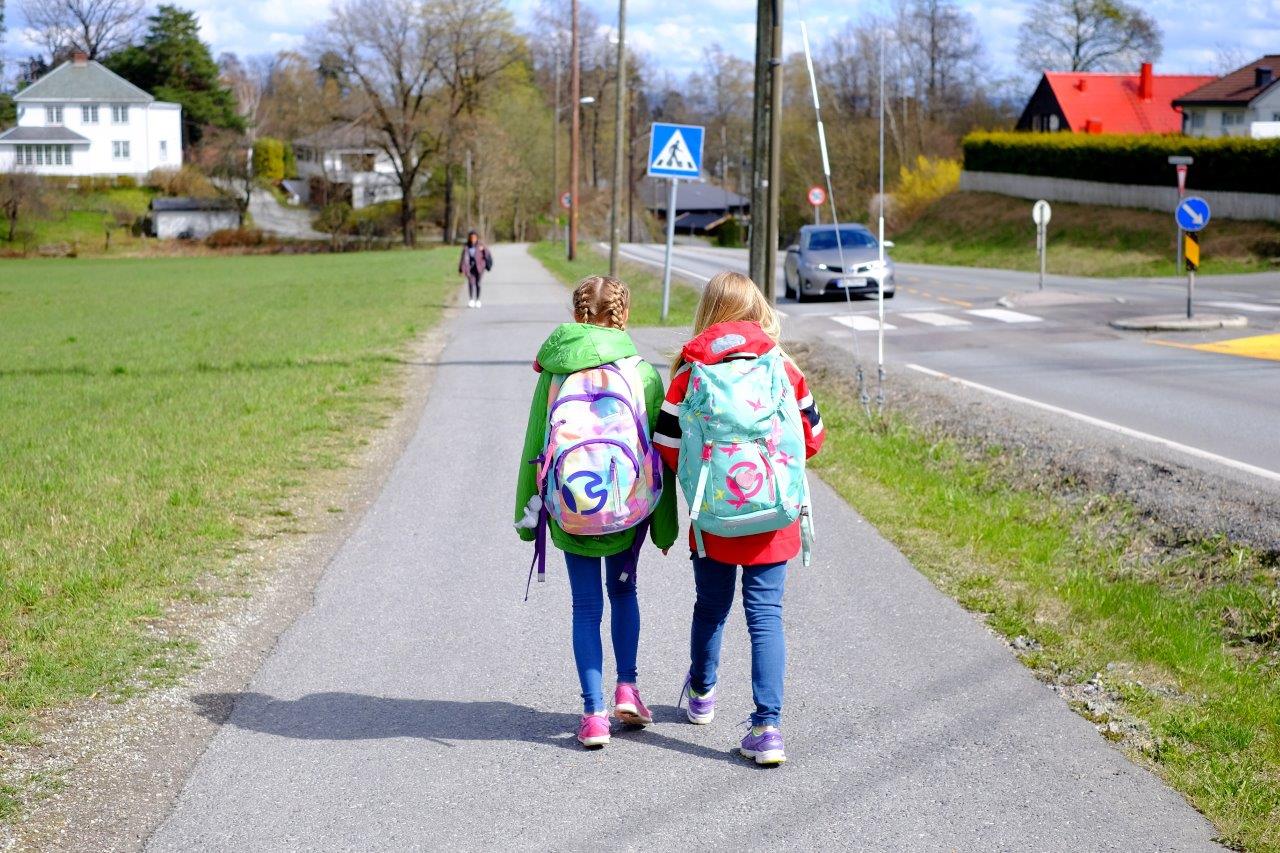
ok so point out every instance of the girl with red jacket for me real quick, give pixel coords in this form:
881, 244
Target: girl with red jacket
733, 321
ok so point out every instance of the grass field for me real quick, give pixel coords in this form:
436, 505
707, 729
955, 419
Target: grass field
986, 230
1184, 647
645, 284
156, 413
81, 221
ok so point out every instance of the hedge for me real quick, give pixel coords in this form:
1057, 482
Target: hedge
1230, 163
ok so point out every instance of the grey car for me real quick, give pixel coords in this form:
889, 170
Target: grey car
813, 267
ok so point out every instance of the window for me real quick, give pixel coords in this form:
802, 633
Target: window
1230, 119
53, 115
119, 113
1275, 116
164, 150
89, 114
44, 155
1197, 119
120, 150
850, 238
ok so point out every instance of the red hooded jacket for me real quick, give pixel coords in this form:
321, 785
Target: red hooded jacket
762, 548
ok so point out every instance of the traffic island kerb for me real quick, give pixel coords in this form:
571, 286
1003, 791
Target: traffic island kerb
1180, 323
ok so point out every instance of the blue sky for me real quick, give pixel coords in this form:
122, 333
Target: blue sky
674, 41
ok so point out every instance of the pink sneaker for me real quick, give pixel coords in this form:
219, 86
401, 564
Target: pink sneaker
628, 708
593, 731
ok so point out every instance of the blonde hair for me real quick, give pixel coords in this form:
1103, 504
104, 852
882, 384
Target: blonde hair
729, 297
602, 300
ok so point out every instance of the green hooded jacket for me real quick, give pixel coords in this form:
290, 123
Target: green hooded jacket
570, 348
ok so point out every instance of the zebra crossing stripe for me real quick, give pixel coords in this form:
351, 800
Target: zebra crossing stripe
861, 322
933, 319
1004, 315
1246, 306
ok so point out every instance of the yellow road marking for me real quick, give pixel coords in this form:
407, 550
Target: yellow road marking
1256, 346
959, 302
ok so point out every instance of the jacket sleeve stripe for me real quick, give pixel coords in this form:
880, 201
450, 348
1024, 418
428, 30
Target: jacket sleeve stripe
671, 408
666, 441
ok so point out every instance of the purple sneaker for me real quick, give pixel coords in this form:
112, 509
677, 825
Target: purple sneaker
765, 748
702, 709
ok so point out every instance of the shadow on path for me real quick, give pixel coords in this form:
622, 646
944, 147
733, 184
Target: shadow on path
352, 716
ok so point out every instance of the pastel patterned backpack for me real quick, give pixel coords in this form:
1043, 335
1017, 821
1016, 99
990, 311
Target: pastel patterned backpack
742, 450
599, 473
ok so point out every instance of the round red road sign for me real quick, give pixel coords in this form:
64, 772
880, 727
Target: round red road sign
566, 201
817, 195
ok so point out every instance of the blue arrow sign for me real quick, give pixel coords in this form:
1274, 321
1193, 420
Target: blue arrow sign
675, 151
1192, 213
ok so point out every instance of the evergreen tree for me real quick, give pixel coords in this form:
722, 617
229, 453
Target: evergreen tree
173, 64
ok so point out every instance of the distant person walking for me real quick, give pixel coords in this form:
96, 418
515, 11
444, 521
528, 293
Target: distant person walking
474, 263
590, 476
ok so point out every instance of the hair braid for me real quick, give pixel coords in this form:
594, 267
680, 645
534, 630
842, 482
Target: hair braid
602, 301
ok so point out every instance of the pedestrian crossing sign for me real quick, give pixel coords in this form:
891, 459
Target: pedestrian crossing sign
675, 151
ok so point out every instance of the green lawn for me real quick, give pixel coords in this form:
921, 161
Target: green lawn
81, 221
1187, 642
155, 414
645, 283
986, 230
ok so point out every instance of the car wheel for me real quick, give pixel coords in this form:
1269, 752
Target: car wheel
888, 294
787, 290
800, 295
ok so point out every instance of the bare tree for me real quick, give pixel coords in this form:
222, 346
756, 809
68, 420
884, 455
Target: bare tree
96, 27
248, 82
942, 44
21, 194
1087, 35
390, 52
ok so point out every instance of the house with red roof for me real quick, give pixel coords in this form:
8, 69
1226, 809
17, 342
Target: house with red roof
1095, 102
1245, 102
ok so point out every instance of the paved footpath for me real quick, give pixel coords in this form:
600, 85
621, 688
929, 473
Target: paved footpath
422, 705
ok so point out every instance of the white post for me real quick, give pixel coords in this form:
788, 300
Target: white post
1042, 238
880, 289
671, 238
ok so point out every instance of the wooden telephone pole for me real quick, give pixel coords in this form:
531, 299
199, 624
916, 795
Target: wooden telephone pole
619, 142
575, 126
766, 132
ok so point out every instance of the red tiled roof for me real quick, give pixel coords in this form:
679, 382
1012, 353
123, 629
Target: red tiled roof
1238, 87
1109, 103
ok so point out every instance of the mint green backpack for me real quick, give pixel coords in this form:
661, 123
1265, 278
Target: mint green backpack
742, 450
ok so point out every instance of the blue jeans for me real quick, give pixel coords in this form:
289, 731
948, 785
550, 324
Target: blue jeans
588, 610
762, 588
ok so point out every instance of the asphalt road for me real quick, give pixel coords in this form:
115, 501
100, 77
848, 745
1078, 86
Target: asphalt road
422, 705
1222, 408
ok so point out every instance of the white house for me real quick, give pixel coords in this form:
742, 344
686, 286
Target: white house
1245, 102
81, 119
347, 155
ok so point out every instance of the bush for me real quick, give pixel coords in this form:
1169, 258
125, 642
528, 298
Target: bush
729, 234
1231, 163
922, 185
126, 182
290, 161
268, 159
186, 181
231, 238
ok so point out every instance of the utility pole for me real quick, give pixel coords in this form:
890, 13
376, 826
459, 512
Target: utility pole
619, 141
575, 127
555, 148
775, 153
765, 131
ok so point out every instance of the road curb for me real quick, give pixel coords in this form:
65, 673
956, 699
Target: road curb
1180, 323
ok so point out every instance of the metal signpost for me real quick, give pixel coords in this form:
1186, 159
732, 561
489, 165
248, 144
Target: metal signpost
817, 197
566, 201
1041, 212
1192, 214
1180, 163
675, 152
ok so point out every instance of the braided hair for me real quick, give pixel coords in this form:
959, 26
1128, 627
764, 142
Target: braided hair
602, 300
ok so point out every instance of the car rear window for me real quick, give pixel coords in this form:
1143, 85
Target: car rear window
851, 238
